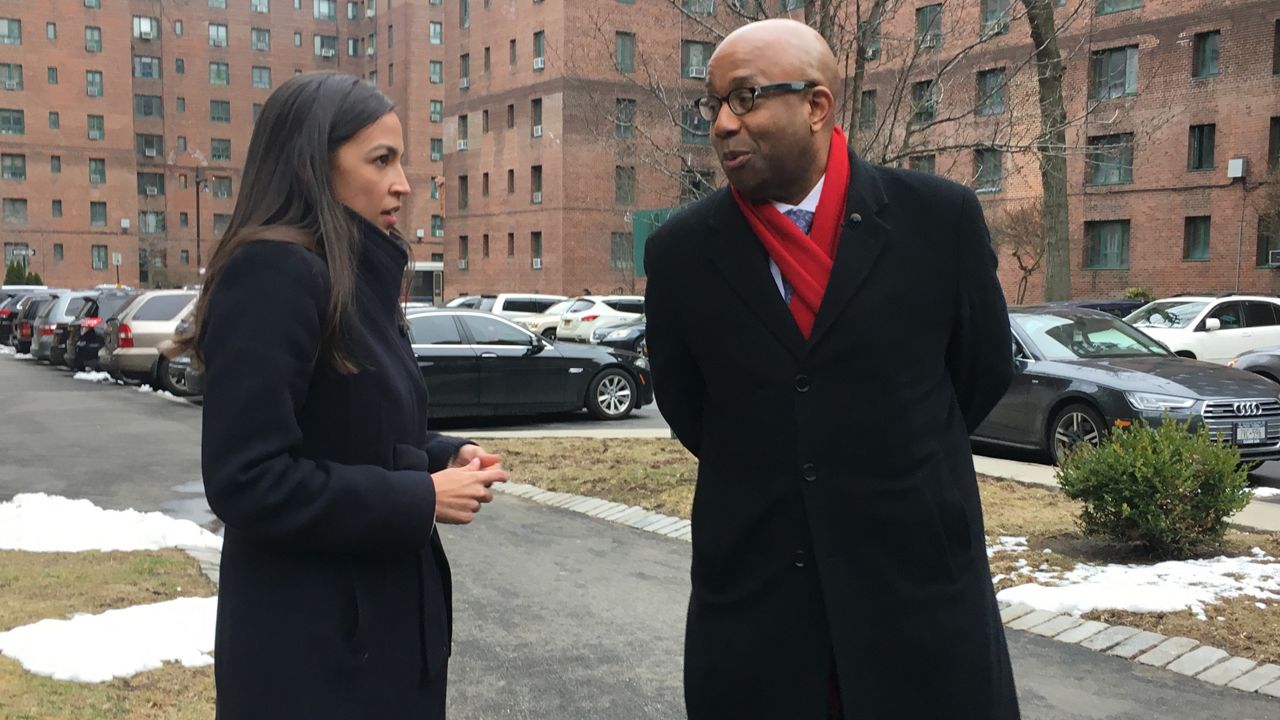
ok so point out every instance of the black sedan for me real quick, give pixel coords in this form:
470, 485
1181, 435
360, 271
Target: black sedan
1081, 372
627, 335
478, 364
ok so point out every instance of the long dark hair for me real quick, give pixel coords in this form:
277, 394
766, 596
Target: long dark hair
286, 195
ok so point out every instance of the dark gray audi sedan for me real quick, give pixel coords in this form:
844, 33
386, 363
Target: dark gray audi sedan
1081, 372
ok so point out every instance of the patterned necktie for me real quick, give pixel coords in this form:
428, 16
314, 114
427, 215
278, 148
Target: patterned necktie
802, 219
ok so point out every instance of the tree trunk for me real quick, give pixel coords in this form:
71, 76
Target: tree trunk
1051, 150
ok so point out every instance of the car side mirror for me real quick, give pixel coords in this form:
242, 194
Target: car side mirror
1212, 324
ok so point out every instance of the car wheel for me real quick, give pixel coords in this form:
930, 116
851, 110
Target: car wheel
172, 380
1074, 424
612, 395
549, 333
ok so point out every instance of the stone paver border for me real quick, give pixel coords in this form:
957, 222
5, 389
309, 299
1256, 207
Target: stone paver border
1181, 655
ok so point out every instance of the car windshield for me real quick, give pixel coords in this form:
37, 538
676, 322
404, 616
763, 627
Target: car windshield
1166, 314
559, 308
1086, 336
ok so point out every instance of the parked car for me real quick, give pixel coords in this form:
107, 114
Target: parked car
85, 332
548, 322
1264, 362
24, 321
133, 337
1119, 308
1081, 372
589, 311
9, 311
1209, 328
478, 364
627, 335
172, 372
54, 316
509, 305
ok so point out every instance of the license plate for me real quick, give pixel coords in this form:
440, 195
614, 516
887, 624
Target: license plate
1251, 432
566, 322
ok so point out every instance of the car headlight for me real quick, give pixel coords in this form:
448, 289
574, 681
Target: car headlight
1152, 402
642, 363
617, 335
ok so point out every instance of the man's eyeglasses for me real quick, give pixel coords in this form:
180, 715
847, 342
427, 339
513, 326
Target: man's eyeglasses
741, 101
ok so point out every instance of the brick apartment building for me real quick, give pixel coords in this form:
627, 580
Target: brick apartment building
536, 128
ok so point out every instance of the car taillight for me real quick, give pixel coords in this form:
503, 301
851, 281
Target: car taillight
90, 323
46, 332
126, 337
6, 313
589, 318
24, 329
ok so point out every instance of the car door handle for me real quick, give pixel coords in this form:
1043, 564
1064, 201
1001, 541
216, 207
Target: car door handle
488, 355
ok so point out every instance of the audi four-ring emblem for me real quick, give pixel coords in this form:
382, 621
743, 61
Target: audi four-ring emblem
1245, 409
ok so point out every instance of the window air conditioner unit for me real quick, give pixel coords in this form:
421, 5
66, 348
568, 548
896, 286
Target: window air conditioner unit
262, 47
327, 52
537, 131
464, 83
10, 84
697, 71
370, 51
1273, 258
149, 152
537, 198
462, 144
437, 233
869, 53
462, 264
372, 12
153, 191
537, 263
147, 34
929, 41
539, 63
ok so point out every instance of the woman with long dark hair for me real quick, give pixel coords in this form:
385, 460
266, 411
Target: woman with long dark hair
334, 597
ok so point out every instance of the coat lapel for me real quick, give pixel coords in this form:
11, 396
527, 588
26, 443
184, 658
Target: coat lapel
862, 237
742, 259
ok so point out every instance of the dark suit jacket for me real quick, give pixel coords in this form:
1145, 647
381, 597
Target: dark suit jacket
836, 514
334, 593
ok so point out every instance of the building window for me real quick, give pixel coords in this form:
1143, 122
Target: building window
93, 83
50, 31
436, 69
181, 104
179, 66
463, 131
464, 192
259, 6
464, 67
146, 67
1275, 51
435, 33
326, 9
1268, 240
624, 118
624, 184
988, 169
146, 28
511, 52
1106, 245
511, 181
217, 35
262, 77
11, 75
220, 223
257, 110
699, 7
535, 117
511, 116
437, 111
484, 121
437, 226
297, 39
55, 164
15, 211
486, 60
625, 52
218, 73
621, 258
1200, 143
183, 221
869, 40
535, 184
694, 57
539, 50
220, 4
12, 122
484, 185
484, 246
148, 106
353, 47
97, 171
58, 251
184, 256
220, 149
924, 102
1115, 72
464, 14
150, 222
97, 127
11, 32
13, 167
1111, 159
55, 121
696, 184
327, 45
929, 27
926, 163
535, 245
92, 39
99, 255
260, 39
1195, 239
149, 146
995, 17
52, 77
1110, 6
437, 149
1206, 48
991, 84
464, 251
1273, 145
694, 129
511, 245
177, 28
220, 111
867, 111
391, 37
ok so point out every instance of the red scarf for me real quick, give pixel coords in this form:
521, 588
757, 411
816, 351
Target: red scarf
805, 260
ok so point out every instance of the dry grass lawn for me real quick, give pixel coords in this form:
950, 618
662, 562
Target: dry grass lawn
659, 474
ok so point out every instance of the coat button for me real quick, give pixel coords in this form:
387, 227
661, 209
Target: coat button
802, 383
855, 217
809, 472
799, 558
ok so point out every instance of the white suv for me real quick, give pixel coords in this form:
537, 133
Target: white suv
589, 311
510, 305
1211, 328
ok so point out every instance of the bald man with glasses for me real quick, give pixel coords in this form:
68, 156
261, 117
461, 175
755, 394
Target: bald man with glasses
824, 334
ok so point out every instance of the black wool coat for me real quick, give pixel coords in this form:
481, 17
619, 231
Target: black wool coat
836, 517
334, 597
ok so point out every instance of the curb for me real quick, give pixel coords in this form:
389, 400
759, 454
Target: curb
1181, 655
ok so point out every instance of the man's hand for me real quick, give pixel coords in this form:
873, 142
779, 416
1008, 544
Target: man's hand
460, 491
467, 453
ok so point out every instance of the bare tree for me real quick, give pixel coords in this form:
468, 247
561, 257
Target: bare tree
1017, 233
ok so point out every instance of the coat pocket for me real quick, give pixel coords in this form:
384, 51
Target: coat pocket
354, 610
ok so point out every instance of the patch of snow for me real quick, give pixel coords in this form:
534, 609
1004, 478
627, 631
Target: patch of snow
1265, 492
6, 350
23, 356
47, 523
116, 643
94, 377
